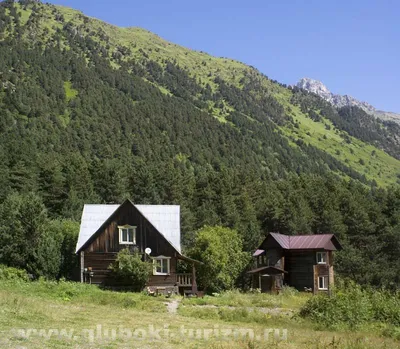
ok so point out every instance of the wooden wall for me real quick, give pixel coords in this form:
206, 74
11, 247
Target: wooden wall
102, 251
300, 268
271, 257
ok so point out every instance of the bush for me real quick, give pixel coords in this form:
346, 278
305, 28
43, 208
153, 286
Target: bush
353, 306
130, 270
220, 250
9, 273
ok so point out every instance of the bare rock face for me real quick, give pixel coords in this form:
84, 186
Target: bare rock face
316, 87
339, 101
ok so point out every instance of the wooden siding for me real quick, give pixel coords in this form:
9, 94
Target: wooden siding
324, 270
271, 257
102, 250
331, 277
299, 265
270, 243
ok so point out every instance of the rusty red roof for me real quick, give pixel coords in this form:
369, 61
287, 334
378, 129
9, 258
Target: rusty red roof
282, 240
306, 242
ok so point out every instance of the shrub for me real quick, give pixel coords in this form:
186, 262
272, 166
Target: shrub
392, 331
353, 306
220, 250
9, 273
130, 270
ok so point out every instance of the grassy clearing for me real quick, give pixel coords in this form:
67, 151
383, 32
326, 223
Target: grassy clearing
75, 293
89, 315
288, 299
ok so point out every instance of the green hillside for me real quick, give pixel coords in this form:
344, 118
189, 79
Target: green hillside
93, 113
124, 45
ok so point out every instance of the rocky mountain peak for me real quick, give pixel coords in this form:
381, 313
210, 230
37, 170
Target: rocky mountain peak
339, 101
316, 87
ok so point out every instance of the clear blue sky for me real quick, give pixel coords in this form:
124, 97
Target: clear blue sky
353, 46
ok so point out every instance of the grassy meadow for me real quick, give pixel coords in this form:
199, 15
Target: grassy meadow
49, 314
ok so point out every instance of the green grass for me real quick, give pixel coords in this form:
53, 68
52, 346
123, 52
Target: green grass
25, 16
84, 309
76, 293
290, 300
352, 307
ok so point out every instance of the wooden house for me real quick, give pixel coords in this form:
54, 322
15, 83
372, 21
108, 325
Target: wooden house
151, 230
304, 262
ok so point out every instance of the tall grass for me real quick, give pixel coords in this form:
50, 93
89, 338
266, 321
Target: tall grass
288, 298
352, 307
17, 282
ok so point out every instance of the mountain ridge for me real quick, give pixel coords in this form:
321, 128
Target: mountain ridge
340, 101
236, 95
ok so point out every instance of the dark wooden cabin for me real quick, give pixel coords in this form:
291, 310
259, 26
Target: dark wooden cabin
304, 262
107, 229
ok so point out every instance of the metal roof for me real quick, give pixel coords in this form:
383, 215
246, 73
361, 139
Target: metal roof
282, 240
304, 242
165, 218
93, 216
258, 252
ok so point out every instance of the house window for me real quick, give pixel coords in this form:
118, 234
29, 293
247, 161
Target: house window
321, 257
322, 282
127, 235
161, 265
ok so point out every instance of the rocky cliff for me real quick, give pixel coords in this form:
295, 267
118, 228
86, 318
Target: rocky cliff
339, 101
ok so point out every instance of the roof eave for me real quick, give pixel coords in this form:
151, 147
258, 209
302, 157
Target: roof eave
188, 259
88, 241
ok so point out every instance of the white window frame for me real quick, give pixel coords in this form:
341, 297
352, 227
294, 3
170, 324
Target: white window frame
323, 259
127, 227
161, 258
325, 282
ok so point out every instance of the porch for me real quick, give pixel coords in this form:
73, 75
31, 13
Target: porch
184, 279
267, 278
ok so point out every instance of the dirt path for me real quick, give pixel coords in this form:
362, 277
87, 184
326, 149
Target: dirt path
172, 307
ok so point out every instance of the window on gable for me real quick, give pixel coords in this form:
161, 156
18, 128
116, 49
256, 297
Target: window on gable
161, 265
321, 257
323, 282
127, 235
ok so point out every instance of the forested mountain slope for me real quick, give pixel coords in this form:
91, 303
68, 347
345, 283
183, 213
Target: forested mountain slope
228, 90
95, 113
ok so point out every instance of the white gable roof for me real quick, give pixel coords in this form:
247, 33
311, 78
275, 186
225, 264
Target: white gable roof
93, 216
165, 218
